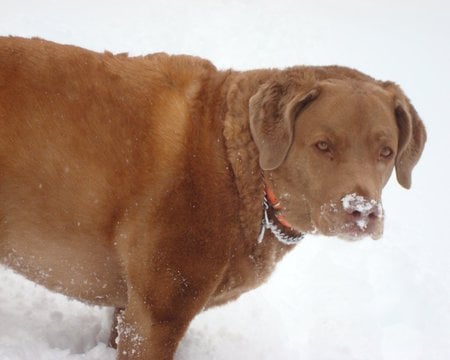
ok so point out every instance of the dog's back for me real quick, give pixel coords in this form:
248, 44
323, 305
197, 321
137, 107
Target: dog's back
84, 137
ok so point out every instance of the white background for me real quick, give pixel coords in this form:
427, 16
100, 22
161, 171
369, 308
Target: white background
328, 299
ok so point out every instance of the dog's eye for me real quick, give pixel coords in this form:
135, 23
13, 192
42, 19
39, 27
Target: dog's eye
323, 146
386, 152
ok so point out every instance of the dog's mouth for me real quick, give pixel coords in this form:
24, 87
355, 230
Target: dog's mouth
352, 217
353, 231
351, 223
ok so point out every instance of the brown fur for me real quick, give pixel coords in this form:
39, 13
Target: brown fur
138, 182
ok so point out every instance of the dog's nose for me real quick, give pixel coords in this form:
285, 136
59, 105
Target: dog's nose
361, 209
373, 212
358, 215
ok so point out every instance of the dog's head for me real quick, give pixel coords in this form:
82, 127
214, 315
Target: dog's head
328, 147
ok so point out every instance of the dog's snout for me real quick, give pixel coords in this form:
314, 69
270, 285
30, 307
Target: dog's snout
363, 216
370, 212
360, 208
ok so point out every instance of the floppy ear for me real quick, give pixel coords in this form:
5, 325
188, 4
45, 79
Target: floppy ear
412, 136
272, 111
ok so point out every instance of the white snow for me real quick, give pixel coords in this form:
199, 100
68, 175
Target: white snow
328, 299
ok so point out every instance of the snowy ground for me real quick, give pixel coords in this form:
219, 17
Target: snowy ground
328, 300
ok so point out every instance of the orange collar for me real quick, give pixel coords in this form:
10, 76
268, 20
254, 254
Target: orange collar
274, 220
276, 205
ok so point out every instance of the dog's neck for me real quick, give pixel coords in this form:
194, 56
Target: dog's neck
243, 156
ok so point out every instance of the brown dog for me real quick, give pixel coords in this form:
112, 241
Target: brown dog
162, 186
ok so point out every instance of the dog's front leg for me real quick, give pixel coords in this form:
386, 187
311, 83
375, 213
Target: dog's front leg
141, 336
163, 298
150, 331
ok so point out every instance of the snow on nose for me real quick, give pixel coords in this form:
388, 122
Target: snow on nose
361, 209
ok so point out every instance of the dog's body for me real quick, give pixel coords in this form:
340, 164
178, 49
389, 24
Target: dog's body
139, 182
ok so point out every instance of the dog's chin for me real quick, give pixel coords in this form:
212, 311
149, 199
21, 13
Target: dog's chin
352, 232
352, 237
358, 234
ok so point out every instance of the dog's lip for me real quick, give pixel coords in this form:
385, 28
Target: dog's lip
349, 230
353, 231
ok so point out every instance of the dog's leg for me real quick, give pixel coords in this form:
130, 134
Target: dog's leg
114, 333
153, 332
163, 298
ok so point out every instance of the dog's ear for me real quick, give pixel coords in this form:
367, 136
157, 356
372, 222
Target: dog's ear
412, 136
273, 111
